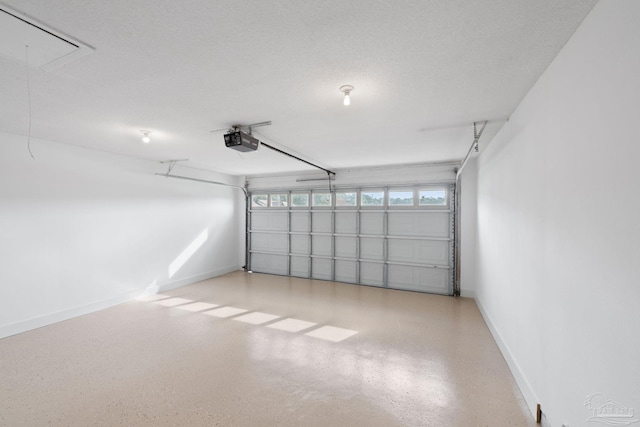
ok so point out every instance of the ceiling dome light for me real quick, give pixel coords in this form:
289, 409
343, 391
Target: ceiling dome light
145, 136
346, 89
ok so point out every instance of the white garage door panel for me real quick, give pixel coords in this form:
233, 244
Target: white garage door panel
300, 244
346, 222
371, 223
300, 221
346, 271
416, 223
405, 247
321, 222
419, 251
371, 274
299, 266
268, 242
346, 247
268, 263
419, 278
372, 248
321, 245
269, 220
259, 241
321, 268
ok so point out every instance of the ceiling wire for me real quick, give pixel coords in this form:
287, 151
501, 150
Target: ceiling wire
26, 54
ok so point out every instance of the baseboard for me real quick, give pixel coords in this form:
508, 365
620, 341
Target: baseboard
48, 319
197, 278
529, 395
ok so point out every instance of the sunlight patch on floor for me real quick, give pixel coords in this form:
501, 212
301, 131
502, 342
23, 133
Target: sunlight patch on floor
225, 312
197, 306
291, 325
256, 318
331, 333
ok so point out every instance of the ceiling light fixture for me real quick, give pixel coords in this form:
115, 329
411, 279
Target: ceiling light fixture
346, 89
145, 137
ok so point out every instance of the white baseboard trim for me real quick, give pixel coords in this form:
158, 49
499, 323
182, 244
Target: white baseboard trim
48, 319
197, 278
529, 395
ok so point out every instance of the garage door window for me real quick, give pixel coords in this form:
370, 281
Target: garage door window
300, 200
279, 200
436, 197
321, 199
372, 198
346, 199
401, 198
259, 201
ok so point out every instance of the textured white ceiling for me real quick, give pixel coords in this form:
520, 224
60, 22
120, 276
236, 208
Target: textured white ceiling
184, 68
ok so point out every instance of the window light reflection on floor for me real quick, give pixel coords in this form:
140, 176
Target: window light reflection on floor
256, 318
331, 333
327, 333
291, 325
197, 306
225, 312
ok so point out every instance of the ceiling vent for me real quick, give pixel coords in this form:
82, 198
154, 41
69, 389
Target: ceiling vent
48, 48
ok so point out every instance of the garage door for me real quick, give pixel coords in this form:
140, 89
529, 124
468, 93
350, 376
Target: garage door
399, 238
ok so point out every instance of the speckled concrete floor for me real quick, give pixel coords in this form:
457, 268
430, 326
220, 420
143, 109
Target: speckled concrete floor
304, 353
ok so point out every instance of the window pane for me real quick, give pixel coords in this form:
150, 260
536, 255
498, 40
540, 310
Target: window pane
400, 198
300, 200
433, 197
321, 199
346, 199
278, 200
372, 198
259, 200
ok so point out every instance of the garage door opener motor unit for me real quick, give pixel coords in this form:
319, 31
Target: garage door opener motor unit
241, 141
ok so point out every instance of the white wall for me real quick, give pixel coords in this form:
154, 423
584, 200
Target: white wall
82, 230
558, 239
